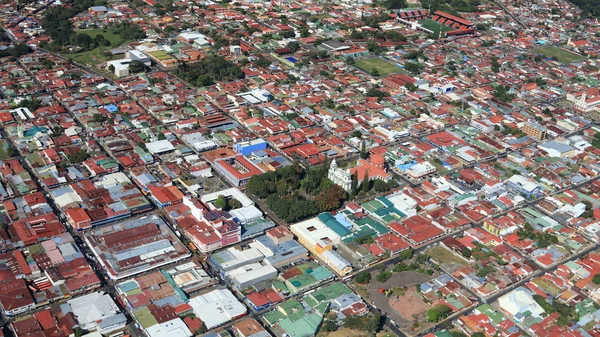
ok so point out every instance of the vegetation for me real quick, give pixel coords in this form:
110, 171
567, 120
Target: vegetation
503, 94
566, 312
382, 66
363, 277
294, 194
561, 55
78, 157
16, 51
209, 70
374, 92
57, 22
371, 323
596, 279
384, 276
588, 7
438, 313
542, 239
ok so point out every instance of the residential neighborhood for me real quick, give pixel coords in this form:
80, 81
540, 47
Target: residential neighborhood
179, 168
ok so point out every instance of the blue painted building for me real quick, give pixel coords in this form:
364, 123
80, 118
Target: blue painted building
247, 148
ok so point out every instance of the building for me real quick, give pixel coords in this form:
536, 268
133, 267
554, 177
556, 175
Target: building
251, 146
420, 170
119, 67
135, 246
249, 327
558, 149
217, 307
519, 304
524, 186
319, 239
98, 312
374, 169
535, 130
340, 176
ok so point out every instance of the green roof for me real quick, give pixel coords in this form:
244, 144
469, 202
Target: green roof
145, 317
333, 224
304, 327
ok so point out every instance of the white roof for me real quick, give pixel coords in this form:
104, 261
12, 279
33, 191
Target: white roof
217, 307
526, 184
93, 307
229, 192
251, 272
314, 230
160, 146
519, 301
173, 328
65, 195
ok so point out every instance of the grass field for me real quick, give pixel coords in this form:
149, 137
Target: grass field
563, 56
383, 67
443, 256
90, 57
435, 27
115, 40
96, 55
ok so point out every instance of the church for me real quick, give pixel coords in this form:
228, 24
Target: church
374, 168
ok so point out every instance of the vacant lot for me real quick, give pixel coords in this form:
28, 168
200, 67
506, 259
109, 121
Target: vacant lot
383, 67
563, 56
435, 27
345, 332
409, 305
114, 39
447, 259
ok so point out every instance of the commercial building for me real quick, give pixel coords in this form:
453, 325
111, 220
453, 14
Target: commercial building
535, 130
320, 239
135, 246
217, 307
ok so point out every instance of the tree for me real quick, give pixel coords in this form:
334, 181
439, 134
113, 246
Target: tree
331, 198
394, 4
438, 313
364, 154
481, 27
406, 254
384, 276
466, 252
83, 40
596, 279
365, 186
234, 203
328, 326
374, 92
294, 46
380, 186
221, 202
99, 118
363, 277
414, 67
137, 66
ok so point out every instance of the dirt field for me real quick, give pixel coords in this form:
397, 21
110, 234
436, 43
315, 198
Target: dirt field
408, 305
344, 332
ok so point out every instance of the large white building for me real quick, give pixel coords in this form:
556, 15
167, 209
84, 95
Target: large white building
217, 307
340, 176
520, 304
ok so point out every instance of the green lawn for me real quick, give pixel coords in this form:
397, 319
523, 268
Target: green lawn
563, 56
383, 67
91, 57
115, 40
435, 27
96, 55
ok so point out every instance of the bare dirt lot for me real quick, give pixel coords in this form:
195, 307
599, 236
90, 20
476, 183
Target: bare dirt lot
401, 313
408, 305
